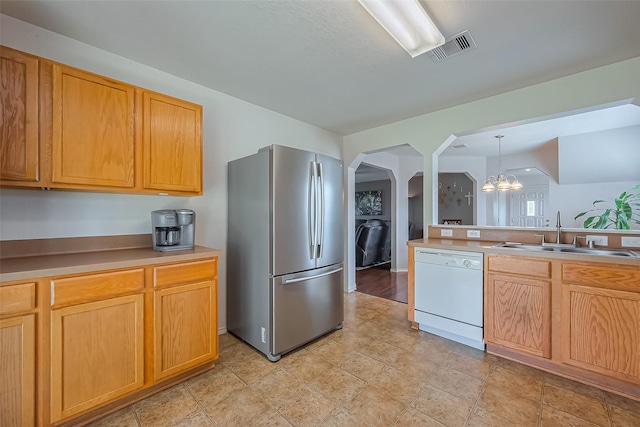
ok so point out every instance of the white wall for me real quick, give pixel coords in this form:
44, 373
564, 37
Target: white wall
232, 129
606, 156
570, 200
428, 132
477, 168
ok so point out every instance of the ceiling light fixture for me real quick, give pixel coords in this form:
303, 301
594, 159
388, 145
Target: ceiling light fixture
407, 22
502, 182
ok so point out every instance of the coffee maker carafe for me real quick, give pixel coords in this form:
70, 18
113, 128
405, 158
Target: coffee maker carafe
173, 230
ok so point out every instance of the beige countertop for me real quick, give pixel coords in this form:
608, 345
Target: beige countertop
34, 267
487, 247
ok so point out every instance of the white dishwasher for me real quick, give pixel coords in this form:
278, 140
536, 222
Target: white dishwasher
449, 294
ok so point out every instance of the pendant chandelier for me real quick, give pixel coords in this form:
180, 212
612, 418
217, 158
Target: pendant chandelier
502, 182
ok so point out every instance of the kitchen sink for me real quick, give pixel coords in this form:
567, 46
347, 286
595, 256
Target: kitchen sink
606, 252
568, 249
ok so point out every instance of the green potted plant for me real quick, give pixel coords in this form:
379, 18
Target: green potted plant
619, 214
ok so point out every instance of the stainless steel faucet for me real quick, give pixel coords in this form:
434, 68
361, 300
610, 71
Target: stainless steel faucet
558, 227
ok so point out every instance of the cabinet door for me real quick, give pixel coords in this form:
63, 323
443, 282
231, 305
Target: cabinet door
185, 327
93, 131
17, 371
601, 331
19, 119
172, 144
519, 313
96, 353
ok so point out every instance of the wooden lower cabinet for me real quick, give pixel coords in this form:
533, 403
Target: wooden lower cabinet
119, 335
602, 324
17, 371
186, 321
97, 353
519, 313
578, 320
185, 332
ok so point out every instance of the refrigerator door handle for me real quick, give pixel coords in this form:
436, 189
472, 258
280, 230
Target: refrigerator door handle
311, 212
321, 203
302, 279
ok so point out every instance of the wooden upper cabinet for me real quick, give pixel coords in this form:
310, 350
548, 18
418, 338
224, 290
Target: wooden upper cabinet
19, 120
172, 144
93, 129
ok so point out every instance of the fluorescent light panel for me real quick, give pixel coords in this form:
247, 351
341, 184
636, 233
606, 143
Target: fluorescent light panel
407, 22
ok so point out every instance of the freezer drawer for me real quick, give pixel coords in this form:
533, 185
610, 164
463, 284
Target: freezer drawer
305, 306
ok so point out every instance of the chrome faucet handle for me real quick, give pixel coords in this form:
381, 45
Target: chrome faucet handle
541, 238
575, 240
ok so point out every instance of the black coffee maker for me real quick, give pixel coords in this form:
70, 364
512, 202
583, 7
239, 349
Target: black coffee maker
173, 230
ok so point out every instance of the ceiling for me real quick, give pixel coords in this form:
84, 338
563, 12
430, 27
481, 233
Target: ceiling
328, 63
529, 136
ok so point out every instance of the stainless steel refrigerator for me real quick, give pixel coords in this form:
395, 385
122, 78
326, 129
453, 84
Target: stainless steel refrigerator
285, 248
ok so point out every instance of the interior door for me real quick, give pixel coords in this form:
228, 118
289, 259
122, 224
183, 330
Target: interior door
529, 207
331, 229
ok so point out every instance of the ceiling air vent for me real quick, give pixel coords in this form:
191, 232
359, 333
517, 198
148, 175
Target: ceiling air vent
453, 46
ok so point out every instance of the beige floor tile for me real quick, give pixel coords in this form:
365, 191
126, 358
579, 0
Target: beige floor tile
213, 385
123, 418
308, 366
333, 351
624, 418
383, 352
397, 339
458, 384
442, 406
577, 387
397, 384
337, 384
416, 365
252, 367
276, 386
270, 419
306, 407
414, 418
197, 419
165, 408
522, 370
552, 417
375, 407
518, 384
476, 367
343, 418
362, 366
482, 418
238, 409
432, 350
622, 402
503, 402
581, 406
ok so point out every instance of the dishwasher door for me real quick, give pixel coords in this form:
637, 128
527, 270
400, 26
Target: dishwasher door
449, 284
449, 294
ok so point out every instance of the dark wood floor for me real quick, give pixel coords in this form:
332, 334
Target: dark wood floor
381, 282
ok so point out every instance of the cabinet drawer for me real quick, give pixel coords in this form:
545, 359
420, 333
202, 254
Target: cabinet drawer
607, 276
177, 274
17, 298
518, 265
95, 286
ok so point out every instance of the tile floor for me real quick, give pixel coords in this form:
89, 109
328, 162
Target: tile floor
376, 371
